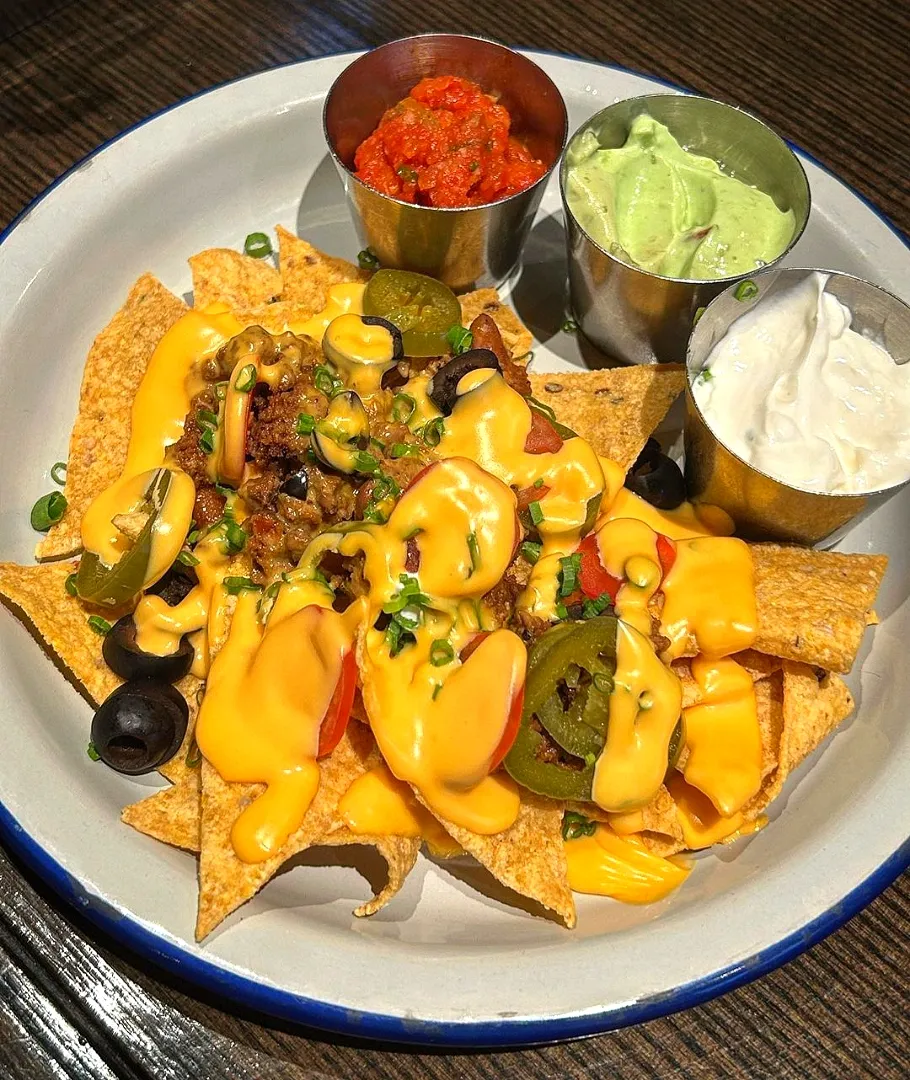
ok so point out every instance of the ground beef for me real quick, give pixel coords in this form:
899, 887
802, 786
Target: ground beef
273, 432
261, 492
209, 506
187, 452
501, 599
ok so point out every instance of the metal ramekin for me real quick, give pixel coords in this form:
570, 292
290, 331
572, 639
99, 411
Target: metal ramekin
466, 248
634, 315
763, 507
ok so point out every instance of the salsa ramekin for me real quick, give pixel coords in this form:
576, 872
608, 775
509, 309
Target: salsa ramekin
467, 247
762, 506
640, 317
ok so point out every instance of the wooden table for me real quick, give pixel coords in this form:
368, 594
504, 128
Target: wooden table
828, 75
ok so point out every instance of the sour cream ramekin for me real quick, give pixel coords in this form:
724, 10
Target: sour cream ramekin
465, 247
640, 317
762, 506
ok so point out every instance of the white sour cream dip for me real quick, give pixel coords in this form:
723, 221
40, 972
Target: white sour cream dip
791, 389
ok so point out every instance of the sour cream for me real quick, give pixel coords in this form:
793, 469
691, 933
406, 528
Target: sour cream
797, 393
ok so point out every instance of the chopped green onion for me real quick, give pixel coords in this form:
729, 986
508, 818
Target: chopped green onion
220, 390
206, 418
193, 755
257, 245
47, 510
745, 290
538, 483
432, 430
576, 825
187, 558
236, 585
207, 440
366, 260
92, 752
568, 569
246, 380
562, 612
366, 463
531, 551
99, 625
326, 382
592, 608
441, 653
705, 375
305, 424
375, 516
590, 759
436, 690
536, 513
460, 339
58, 472
385, 487
194, 536
70, 585
474, 551
569, 326
603, 683
398, 636
403, 449
235, 537
403, 407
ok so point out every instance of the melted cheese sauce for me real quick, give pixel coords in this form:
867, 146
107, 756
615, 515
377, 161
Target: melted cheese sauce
701, 823
723, 735
621, 867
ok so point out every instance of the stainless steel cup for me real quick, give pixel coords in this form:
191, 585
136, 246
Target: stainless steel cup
634, 315
765, 508
466, 248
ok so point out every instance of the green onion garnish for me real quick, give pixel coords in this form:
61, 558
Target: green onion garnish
603, 683
562, 612
474, 552
403, 406
236, 585
576, 825
99, 625
375, 516
590, 760
257, 245
207, 440
70, 585
531, 551
235, 537
590, 609
305, 424
745, 290
538, 483
187, 558
403, 449
569, 326
460, 339
47, 510
246, 380
92, 752
193, 755
366, 463
220, 390
326, 382
568, 569
436, 690
536, 513
366, 260
432, 430
441, 653
58, 472
206, 418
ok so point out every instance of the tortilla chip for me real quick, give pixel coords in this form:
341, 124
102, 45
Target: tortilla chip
516, 337
171, 815
758, 666
814, 605
307, 274
113, 370
279, 317
224, 276
658, 818
615, 409
225, 881
529, 857
813, 704
399, 852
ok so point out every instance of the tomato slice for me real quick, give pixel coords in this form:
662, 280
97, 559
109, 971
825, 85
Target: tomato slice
339, 711
666, 552
525, 496
543, 438
510, 732
592, 577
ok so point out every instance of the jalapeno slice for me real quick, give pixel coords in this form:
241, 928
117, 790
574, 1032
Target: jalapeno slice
423, 309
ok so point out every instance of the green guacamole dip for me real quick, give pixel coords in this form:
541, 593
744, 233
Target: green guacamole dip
671, 212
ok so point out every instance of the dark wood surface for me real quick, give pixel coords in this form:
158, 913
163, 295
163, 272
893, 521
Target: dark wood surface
828, 74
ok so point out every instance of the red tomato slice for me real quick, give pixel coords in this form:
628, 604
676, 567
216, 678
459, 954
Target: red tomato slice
339, 711
525, 496
666, 552
511, 731
592, 577
543, 438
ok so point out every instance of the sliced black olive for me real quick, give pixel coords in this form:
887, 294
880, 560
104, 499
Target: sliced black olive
656, 478
340, 438
397, 347
124, 657
443, 387
349, 346
176, 585
140, 726
296, 484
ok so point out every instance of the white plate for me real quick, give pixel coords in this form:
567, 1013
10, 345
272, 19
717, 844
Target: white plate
444, 963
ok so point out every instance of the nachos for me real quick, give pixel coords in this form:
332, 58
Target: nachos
332, 560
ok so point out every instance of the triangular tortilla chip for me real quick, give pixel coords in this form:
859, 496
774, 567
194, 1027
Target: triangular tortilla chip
307, 274
113, 370
225, 881
171, 815
224, 276
529, 857
615, 409
516, 337
399, 852
658, 818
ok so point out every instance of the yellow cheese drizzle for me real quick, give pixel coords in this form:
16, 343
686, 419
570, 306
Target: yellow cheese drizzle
621, 867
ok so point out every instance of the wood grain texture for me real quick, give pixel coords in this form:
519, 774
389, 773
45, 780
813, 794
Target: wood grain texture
828, 74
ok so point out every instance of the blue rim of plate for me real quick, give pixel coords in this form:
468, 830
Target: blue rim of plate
282, 1004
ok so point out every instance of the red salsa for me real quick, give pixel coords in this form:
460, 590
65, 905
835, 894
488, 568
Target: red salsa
446, 144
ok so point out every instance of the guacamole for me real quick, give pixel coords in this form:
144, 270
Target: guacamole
671, 212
